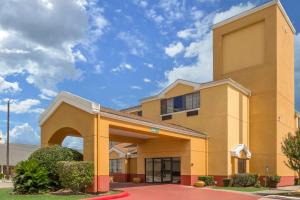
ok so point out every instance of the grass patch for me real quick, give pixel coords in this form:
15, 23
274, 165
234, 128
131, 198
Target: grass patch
241, 189
5, 194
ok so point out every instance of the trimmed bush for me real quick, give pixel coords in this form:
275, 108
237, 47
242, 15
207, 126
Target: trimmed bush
1, 176
76, 176
30, 178
272, 181
49, 157
208, 180
245, 180
296, 181
227, 182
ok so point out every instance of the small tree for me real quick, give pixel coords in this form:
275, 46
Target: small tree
291, 149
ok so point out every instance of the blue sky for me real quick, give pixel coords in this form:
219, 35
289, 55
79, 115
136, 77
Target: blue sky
112, 52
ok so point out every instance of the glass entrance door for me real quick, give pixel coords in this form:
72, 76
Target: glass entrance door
166, 170
162, 170
157, 170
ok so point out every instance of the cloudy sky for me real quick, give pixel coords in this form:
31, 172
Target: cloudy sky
112, 52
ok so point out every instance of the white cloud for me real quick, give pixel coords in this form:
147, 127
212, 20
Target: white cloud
135, 44
79, 56
141, 3
47, 94
147, 80
149, 65
135, 87
98, 69
173, 49
123, 67
208, 1
200, 47
40, 45
152, 14
8, 87
73, 142
234, 10
172, 9
24, 106
24, 134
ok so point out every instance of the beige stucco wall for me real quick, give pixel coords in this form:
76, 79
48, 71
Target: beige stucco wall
271, 81
70, 121
223, 116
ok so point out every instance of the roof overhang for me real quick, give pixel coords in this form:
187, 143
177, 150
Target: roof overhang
256, 9
94, 108
236, 151
297, 114
119, 152
200, 86
73, 100
132, 109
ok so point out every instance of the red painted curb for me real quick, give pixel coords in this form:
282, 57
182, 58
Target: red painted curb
108, 197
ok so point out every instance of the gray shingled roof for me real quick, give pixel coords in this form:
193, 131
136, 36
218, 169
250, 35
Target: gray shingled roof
18, 152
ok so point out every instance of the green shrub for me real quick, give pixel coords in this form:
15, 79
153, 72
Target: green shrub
76, 176
1, 176
49, 157
227, 182
30, 178
245, 180
272, 181
208, 180
296, 181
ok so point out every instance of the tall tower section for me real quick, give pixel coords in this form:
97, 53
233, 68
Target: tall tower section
256, 49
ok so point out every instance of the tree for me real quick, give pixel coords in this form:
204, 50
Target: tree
291, 149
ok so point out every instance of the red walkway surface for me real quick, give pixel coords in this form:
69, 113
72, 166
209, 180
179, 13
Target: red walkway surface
177, 192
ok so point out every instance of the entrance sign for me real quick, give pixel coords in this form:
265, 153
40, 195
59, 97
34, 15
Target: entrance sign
154, 130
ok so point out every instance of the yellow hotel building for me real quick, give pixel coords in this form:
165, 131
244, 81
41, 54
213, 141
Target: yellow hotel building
233, 124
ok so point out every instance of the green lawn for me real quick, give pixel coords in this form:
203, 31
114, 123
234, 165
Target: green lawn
241, 189
5, 195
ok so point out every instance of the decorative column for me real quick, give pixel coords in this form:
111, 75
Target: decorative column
102, 156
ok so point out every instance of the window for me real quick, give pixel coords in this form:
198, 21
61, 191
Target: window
241, 166
180, 103
140, 113
115, 166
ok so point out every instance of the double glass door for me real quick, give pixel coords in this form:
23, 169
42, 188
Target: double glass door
162, 170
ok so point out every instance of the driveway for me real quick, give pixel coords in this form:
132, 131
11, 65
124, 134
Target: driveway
177, 192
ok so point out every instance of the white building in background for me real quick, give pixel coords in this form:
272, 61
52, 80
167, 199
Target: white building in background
1, 138
18, 152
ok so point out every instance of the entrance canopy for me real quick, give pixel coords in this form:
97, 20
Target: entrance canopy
241, 151
73, 115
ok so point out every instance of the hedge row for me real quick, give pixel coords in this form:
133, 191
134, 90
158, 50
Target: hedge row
52, 168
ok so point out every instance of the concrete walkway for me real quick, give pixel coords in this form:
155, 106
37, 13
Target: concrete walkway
177, 192
6, 184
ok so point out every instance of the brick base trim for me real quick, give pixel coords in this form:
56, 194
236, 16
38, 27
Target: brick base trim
188, 179
100, 184
119, 177
103, 183
141, 176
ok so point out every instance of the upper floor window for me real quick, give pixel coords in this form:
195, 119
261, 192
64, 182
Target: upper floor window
139, 113
180, 103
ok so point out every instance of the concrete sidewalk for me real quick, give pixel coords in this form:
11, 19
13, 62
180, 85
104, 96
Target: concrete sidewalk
6, 184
